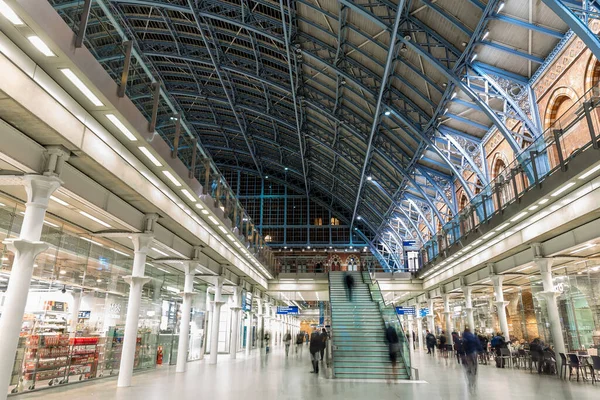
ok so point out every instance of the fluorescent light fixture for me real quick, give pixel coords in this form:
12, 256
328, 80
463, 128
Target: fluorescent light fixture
518, 216
51, 224
230, 238
533, 208
169, 175
188, 195
543, 201
205, 212
150, 156
238, 245
59, 201
475, 243
119, 125
163, 270
62, 272
172, 289
222, 229
590, 172
563, 189
587, 246
199, 206
94, 219
504, 225
525, 268
82, 87
91, 241
9, 14
121, 253
489, 235
160, 251
41, 46
213, 220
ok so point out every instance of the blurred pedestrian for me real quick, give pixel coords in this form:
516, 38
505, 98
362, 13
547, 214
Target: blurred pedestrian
299, 341
471, 346
391, 336
267, 339
287, 339
349, 281
324, 337
315, 349
430, 341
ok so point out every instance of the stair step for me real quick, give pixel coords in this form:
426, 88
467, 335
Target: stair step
350, 375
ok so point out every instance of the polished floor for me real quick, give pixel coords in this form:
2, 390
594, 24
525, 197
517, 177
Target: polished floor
273, 376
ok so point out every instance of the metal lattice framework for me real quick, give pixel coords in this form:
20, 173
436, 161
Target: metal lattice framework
375, 109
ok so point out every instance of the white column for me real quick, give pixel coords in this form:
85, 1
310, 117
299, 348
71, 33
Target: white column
431, 317
249, 333
409, 323
216, 319
550, 294
260, 322
420, 331
75, 312
136, 281
186, 309
469, 307
501, 305
447, 314
235, 322
26, 248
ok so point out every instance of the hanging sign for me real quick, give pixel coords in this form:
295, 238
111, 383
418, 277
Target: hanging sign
405, 311
287, 310
423, 312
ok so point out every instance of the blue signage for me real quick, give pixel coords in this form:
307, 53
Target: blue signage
405, 311
321, 313
287, 310
246, 300
423, 312
409, 243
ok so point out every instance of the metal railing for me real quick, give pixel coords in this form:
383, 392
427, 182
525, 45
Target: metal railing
388, 313
567, 137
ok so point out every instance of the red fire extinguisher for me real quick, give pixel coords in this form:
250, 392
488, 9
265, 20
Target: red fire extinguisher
159, 355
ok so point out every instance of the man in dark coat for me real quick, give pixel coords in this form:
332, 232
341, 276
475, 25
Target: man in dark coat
430, 341
316, 343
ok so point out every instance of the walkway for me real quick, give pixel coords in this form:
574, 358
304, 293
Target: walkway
275, 377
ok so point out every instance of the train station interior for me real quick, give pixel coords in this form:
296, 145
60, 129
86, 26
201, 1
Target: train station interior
218, 197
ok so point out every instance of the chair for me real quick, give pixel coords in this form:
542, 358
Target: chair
505, 355
563, 365
574, 362
595, 367
550, 361
521, 358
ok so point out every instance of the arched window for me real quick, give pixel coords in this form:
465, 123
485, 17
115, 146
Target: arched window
463, 202
499, 167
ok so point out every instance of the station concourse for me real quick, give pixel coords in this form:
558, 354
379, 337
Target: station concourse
213, 197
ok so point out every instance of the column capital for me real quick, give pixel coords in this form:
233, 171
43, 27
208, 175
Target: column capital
39, 188
220, 303
136, 279
501, 304
23, 246
149, 222
497, 280
187, 294
141, 242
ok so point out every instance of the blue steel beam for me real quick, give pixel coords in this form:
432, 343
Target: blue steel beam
524, 24
377, 115
511, 50
576, 24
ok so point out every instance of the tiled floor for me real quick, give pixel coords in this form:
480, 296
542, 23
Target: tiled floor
277, 377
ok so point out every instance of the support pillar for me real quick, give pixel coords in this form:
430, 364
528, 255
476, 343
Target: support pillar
409, 323
136, 281
26, 248
235, 323
76, 294
420, 331
469, 307
186, 310
431, 317
501, 305
259, 322
447, 314
249, 333
550, 295
216, 319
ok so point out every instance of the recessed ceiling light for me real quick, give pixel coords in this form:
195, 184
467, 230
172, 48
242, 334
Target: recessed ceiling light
543, 201
174, 180
91, 241
51, 224
590, 172
518, 216
59, 201
9, 14
41, 46
62, 272
119, 125
205, 212
160, 251
94, 219
213, 220
563, 189
82, 87
199, 206
188, 195
150, 156
222, 228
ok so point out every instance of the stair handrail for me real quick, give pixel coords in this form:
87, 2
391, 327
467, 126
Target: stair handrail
330, 346
375, 288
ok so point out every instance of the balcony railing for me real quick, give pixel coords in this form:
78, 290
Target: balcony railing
567, 137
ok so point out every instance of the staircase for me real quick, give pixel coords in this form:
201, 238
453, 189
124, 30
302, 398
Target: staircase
359, 347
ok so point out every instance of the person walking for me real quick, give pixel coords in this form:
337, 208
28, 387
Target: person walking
267, 339
287, 340
316, 343
414, 336
471, 347
391, 337
324, 337
443, 340
458, 347
299, 341
349, 281
430, 341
